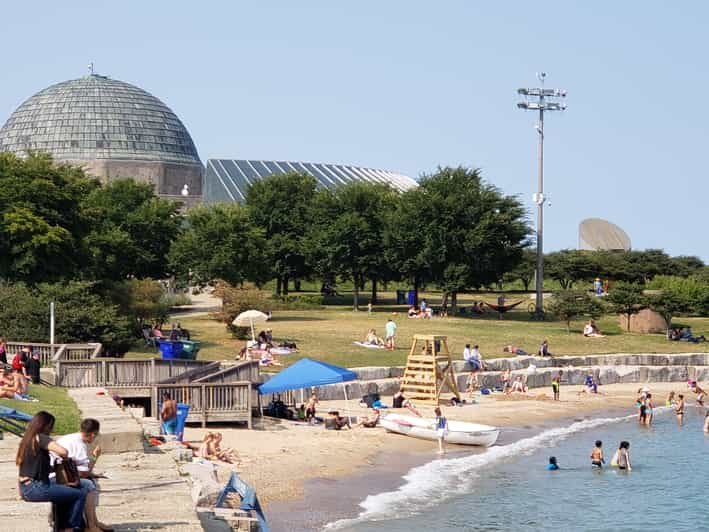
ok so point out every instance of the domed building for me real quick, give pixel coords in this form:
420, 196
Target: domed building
111, 128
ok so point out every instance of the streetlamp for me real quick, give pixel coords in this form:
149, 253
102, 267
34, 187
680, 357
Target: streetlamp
541, 99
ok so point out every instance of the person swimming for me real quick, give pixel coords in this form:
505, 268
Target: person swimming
597, 455
552, 466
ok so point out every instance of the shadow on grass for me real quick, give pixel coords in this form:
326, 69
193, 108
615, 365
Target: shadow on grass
295, 318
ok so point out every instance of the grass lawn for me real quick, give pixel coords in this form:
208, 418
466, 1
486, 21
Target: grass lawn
56, 401
328, 334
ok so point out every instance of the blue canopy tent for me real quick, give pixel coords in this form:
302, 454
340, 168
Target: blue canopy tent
307, 373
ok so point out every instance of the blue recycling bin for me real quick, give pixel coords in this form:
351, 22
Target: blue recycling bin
170, 350
183, 411
411, 297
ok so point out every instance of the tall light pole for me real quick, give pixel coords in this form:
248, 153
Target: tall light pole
541, 99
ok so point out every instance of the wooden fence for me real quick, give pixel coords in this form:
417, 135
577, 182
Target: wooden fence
50, 353
223, 402
112, 373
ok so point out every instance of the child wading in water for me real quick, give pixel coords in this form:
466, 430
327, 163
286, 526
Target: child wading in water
552, 466
441, 429
556, 383
597, 455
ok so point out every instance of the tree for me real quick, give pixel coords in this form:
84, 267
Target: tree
525, 270
220, 241
282, 205
570, 266
131, 231
402, 240
348, 229
82, 315
41, 223
627, 299
568, 305
470, 233
668, 304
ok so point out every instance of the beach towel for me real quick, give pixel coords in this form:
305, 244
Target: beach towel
281, 351
369, 346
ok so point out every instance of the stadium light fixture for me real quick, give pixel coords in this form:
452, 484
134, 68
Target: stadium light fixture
540, 99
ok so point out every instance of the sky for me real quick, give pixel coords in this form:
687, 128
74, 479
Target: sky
408, 85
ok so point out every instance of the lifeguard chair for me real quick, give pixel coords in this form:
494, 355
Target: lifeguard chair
429, 369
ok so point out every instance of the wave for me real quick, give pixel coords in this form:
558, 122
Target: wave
427, 485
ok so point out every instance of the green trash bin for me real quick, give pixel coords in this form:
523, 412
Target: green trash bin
189, 350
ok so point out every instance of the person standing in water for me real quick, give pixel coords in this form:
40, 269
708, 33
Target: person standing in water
621, 459
649, 405
597, 455
441, 429
679, 409
552, 466
706, 422
556, 384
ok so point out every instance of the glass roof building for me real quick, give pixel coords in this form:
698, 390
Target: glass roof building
229, 179
112, 128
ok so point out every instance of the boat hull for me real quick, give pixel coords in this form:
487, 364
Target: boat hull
459, 432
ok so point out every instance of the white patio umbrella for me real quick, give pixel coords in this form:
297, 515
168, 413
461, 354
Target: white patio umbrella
248, 318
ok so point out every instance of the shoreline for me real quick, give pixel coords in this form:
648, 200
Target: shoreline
312, 476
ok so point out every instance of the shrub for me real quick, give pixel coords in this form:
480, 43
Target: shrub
82, 315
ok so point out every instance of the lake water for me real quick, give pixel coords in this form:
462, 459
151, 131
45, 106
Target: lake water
508, 487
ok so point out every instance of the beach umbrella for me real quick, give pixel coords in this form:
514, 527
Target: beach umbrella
248, 318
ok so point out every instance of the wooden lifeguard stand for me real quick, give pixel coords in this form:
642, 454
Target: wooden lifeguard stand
429, 369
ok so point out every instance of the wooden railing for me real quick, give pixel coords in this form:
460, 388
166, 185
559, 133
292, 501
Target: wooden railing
108, 372
208, 402
243, 371
49, 353
193, 374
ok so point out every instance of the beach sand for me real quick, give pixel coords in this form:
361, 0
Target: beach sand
279, 456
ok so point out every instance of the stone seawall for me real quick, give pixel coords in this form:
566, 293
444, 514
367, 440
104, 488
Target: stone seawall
607, 369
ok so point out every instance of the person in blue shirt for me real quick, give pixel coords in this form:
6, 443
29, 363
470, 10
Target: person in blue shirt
553, 466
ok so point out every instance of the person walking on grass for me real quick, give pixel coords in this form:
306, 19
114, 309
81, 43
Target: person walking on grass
556, 384
441, 429
390, 334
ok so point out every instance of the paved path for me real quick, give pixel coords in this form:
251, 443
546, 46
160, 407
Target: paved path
145, 491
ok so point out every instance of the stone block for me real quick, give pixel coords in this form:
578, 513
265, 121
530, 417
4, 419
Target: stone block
371, 373
645, 321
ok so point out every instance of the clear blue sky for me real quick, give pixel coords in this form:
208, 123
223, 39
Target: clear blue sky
410, 85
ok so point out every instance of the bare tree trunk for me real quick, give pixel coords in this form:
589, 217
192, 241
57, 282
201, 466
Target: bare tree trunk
454, 302
416, 291
374, 291
296, 285
355, 294
278, 285
285, 285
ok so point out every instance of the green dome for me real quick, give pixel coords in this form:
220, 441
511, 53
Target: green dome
98, 118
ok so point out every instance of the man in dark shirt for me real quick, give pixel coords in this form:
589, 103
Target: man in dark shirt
33, 365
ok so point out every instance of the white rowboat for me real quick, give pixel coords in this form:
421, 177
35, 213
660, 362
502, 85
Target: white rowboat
459, 432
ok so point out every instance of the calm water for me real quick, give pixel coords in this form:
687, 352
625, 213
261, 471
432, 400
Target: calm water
508, 487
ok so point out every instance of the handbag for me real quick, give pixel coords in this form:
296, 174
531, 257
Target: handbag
67, 472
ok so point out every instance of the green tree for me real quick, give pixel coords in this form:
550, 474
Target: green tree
668, 304
220, 241
570, 266
82, 315
568, 305
403, 249
348, 230
525, 270
131, 231
470, 233
41, 223
627, 299
282, 205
